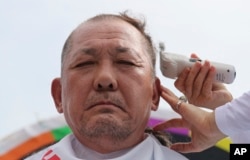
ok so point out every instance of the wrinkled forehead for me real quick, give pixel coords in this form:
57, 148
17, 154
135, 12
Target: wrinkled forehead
111, 32
109, 29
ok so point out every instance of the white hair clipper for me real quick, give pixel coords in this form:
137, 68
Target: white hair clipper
172, 65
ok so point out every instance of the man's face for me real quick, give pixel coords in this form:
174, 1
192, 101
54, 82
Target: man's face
107, 88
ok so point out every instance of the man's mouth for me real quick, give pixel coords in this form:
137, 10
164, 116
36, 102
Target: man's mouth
105, 104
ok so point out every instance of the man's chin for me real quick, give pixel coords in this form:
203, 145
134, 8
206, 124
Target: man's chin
106, 125
108, 115
106, 119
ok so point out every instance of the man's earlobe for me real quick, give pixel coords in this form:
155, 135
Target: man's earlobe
156, 94
56, 92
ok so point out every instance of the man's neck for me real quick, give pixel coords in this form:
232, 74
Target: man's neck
106, 145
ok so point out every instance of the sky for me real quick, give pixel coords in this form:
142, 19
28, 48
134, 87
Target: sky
32, 34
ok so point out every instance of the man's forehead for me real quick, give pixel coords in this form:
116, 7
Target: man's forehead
106, 24
107, 29
124, 35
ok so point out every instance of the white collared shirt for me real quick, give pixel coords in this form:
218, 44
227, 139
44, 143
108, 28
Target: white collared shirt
69, 148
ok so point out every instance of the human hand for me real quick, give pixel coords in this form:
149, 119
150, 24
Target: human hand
204, 131
197, 84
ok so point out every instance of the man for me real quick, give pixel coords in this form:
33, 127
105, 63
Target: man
106, 92
108, 88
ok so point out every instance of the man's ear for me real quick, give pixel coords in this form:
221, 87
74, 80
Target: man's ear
156, 94
56, 92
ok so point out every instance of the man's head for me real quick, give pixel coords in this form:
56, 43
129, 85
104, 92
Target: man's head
107, 86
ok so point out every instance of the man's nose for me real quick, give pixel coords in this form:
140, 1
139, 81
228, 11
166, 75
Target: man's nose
105, 79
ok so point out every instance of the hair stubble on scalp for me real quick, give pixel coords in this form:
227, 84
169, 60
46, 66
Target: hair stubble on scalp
139, 24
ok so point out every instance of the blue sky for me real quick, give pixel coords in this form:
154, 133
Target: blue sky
33, 33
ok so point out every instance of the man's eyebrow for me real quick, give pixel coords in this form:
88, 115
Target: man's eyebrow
89, 51
119, 50
122, 49
127, 50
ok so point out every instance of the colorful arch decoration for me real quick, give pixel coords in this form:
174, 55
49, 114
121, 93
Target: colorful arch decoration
35, 137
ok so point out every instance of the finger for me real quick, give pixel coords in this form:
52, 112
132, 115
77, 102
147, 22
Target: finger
185, 147
194, 55
189, 84
176, 122
188, 111
168, 92
180, 81
169, 97
200, 79
208, 83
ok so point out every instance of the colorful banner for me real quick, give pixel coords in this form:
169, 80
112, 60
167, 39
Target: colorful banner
35, 137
